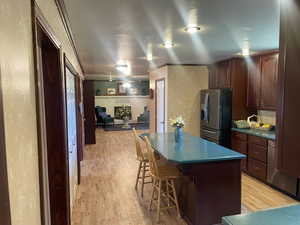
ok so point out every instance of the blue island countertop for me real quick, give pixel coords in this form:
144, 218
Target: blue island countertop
260, 133
190, 149
280, 216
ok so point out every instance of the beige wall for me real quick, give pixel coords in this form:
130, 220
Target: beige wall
160, 73
17, 75
267, 116
137, 103
183, 85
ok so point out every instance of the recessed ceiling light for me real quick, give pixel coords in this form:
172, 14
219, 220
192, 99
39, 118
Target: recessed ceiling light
192, 29
246, 52
168, 44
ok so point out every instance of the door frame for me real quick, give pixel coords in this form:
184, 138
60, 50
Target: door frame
68, 64
4, 196
40, 24
156, 81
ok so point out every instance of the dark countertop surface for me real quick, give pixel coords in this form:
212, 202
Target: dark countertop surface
260, 133
191, 149
280, 216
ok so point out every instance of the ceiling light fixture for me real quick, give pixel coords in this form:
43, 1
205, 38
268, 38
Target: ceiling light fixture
168, 44
192, 29
121, 66
246, 52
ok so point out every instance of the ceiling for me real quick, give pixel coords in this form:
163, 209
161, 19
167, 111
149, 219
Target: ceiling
107, 31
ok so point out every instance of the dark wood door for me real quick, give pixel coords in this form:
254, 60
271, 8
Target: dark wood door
269, 71
89, 112
4, 193
253, 82
288, 123
223, 74
52, 113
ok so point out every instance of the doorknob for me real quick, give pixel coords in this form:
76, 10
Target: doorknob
162, 122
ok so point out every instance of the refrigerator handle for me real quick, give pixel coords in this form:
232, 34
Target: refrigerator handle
206, 107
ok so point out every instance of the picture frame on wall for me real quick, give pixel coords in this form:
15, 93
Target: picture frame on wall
111, 91
121, 89
133, 91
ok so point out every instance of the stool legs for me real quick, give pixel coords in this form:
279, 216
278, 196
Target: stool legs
175, 198
143, 177
169, 193
138, 175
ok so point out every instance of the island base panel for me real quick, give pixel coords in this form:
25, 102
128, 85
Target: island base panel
209, 191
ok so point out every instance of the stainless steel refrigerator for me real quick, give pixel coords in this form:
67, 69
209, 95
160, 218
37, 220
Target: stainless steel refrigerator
215, 122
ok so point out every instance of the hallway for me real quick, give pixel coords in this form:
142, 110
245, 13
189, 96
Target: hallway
106, 195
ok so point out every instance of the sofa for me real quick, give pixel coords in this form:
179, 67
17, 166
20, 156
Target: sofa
103, 118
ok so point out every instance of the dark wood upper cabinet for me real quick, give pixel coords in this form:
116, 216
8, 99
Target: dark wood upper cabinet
288, 110
269, 72
223, 74
232, 74
213, 77
262, 81
253, 82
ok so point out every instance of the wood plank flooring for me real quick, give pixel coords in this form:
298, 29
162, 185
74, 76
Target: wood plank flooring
107, 196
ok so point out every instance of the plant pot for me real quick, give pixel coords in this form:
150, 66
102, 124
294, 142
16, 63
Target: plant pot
126, 122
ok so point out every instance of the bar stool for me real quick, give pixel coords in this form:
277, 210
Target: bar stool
143, 169
162, 175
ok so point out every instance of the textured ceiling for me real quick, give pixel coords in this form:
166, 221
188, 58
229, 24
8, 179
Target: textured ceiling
106, 31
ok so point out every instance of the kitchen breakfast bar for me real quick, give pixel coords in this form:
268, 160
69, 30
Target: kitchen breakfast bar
211, 184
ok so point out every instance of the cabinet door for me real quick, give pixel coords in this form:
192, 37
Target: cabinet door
269, 71
213, 77
288, 122
223, 74
253, 84
239, 144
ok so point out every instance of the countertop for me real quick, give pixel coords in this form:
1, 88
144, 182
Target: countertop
191, 149
260, 133
280, 216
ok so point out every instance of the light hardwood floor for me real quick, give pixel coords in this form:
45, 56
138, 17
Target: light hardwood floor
107, 196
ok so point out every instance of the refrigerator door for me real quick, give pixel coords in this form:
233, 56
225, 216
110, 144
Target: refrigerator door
210, 108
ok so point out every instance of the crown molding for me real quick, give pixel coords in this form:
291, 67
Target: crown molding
66, 22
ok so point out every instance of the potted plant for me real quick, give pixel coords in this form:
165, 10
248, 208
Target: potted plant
178, 123
125, 113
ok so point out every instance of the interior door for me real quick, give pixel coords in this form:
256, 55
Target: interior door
160, 106
72, 133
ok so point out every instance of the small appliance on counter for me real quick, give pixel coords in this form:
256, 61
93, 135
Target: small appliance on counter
215, 121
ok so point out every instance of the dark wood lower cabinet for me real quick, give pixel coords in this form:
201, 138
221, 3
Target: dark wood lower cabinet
257, 169
256, 150
210, 191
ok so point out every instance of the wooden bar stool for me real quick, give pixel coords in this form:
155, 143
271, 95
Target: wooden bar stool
143, 169
163, 183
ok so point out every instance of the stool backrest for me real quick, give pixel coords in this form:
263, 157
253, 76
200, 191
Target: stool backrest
138, 147
152, 159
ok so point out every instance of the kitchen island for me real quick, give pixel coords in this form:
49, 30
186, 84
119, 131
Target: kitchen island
211, 185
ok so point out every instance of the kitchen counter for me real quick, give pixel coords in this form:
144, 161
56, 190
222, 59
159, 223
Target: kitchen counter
260, 133
280, 216
210, 187
191, 149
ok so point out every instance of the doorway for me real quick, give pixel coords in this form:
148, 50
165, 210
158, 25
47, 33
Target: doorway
52, 127
73, 132
160, 105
